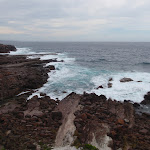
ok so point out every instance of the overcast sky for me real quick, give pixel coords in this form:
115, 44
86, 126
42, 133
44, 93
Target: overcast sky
75, 20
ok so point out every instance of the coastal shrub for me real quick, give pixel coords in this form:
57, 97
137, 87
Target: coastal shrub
44, 146
89, 147
76, 143
3, 148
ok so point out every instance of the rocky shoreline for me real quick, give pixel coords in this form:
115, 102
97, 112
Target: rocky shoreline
19, 74
77, 120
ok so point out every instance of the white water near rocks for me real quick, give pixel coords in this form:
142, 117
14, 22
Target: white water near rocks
66, 148
69, 77
134, 90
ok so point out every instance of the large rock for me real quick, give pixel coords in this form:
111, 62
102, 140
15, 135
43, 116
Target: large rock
6, 48
126, 80
146, 100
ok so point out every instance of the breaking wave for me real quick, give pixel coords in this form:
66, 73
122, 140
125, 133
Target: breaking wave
71, 77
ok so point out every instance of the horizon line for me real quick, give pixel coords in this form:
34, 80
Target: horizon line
76, 41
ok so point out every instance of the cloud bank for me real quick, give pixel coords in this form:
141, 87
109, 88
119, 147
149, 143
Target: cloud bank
75, 20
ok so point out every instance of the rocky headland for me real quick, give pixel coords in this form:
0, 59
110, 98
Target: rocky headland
7, 48
84, 121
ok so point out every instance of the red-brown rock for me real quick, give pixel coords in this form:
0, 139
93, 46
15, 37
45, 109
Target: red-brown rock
120, 121
126, 80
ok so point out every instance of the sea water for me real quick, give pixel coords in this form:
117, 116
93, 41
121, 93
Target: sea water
84, 66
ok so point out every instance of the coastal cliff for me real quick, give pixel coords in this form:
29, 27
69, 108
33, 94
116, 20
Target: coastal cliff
84, 121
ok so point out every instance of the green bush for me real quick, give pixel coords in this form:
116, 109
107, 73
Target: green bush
89, 147
44, 146
3, 148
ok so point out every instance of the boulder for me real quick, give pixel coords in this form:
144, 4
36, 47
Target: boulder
126, 80
110, 79
51, 67
146, 100
109, 85
120, 121
100, 87
56, 115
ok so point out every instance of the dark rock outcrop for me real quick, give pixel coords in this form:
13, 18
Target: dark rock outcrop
18, 74
100, 87
109, 85
6, 48
51, 67
126, 80
146, 100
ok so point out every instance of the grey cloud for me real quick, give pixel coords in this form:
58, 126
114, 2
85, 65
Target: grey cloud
37, 19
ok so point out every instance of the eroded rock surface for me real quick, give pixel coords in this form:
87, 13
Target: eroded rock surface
67, 107
109, 124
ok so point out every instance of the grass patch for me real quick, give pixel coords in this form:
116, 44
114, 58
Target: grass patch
89, 147
44, 146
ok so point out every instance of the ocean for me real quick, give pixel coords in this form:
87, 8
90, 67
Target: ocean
88, 65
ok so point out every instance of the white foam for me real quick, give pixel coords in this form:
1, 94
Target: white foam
34, 94
66, 148
47, 57
41, 55
22, 51
33, 56
69, 60
57, 77
133, 91
60, 57
73, 76
23, 93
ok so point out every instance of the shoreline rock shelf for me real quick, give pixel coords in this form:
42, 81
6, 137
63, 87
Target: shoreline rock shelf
19, 74
43, 123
